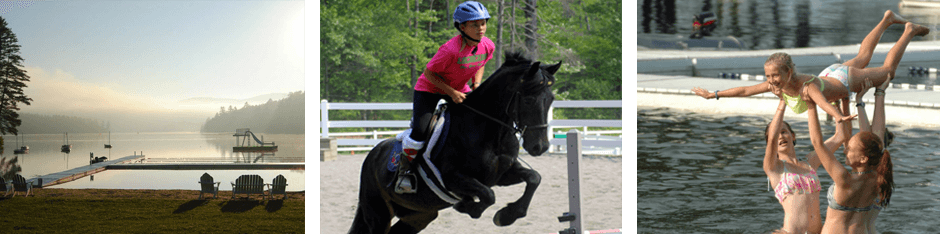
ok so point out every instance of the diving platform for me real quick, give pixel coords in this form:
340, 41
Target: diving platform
79, 172
243, 143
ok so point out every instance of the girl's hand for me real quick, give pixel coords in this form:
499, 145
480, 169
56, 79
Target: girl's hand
847, 118
457, 96
703, 93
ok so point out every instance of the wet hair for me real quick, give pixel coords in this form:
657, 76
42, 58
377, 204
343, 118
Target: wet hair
767, 134
783, 61
889, 137
881, 160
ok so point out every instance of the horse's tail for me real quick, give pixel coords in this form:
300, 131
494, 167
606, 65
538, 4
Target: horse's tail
359, 224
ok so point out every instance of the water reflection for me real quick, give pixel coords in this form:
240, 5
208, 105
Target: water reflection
784, 23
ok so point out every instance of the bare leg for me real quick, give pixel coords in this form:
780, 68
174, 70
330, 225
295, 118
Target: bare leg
879, 75
867, 47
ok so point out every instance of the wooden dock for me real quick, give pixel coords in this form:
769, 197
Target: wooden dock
208, 166
79, 172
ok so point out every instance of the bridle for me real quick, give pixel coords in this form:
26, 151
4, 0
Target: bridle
514, 102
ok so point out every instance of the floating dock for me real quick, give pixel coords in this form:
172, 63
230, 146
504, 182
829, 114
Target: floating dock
665, 79
79, 172
244, 144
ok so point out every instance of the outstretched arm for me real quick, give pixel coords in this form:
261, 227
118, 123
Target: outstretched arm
828, 160
770, 154
744, 91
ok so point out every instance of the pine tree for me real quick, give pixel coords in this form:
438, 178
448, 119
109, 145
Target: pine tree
12, 80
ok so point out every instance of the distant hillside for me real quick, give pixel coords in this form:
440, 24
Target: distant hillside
231, 101
285, 116
50, 124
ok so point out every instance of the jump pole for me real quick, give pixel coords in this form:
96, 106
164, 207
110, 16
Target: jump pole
574, 214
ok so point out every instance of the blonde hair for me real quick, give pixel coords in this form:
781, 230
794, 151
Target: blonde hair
781, 58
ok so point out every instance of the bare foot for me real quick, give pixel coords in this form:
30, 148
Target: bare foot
892, 18
916, 29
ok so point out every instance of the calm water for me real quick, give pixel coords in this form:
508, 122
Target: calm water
702, 173
781, 23
45, 158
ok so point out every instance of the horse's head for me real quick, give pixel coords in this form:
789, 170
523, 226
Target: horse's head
532, 105
520, 91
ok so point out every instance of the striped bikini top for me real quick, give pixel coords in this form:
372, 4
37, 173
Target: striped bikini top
792, 183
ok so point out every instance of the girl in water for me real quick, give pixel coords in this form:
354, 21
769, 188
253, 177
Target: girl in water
858, 195
796, 184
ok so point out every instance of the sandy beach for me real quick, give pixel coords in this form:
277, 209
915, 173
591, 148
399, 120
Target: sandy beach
602, 191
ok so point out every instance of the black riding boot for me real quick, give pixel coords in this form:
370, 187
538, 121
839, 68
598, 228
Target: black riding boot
406, 177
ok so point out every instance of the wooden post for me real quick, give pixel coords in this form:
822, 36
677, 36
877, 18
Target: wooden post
327, 149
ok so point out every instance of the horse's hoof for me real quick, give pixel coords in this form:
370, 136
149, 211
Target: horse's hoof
505, 220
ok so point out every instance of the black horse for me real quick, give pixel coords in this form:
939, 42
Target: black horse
479, 151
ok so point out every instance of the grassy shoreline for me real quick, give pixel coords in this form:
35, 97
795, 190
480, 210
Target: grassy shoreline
148, 211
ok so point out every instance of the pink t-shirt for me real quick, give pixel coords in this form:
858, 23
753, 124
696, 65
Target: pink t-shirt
456, 65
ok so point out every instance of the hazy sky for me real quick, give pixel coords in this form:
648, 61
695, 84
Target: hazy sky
146, 54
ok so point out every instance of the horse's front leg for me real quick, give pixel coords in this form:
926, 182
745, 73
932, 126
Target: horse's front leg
517, 174
467, 188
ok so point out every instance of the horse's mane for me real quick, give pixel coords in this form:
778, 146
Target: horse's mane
515, 65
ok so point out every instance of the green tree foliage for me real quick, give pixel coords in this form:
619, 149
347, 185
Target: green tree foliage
12, 80
367, 48
285, 116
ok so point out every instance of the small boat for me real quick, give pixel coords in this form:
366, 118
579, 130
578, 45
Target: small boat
108, 145
22, 149
66, 148
92, 159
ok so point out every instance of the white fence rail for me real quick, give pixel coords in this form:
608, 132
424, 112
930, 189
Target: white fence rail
594, 144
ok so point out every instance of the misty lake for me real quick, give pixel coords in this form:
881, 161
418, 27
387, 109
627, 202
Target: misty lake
45, 158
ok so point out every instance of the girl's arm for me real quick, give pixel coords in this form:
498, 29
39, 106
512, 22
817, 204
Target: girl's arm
770, 154
863, 124
835, 169
878, 121
842, 131
477, 78
438, 82
745, 91
816, 96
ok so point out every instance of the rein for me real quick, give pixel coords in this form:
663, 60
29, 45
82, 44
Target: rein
504, 124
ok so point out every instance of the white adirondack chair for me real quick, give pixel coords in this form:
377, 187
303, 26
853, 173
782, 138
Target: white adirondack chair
208, 186
5, 187
20, 185
248, 184
278, 186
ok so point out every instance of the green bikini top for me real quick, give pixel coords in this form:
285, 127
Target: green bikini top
796, 103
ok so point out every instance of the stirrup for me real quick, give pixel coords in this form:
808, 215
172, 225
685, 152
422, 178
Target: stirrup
406, 183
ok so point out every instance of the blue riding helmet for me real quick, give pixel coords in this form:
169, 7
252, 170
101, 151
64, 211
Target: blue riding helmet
470, 11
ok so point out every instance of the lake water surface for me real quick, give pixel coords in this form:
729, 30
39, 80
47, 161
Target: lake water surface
703, 173
45, 158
